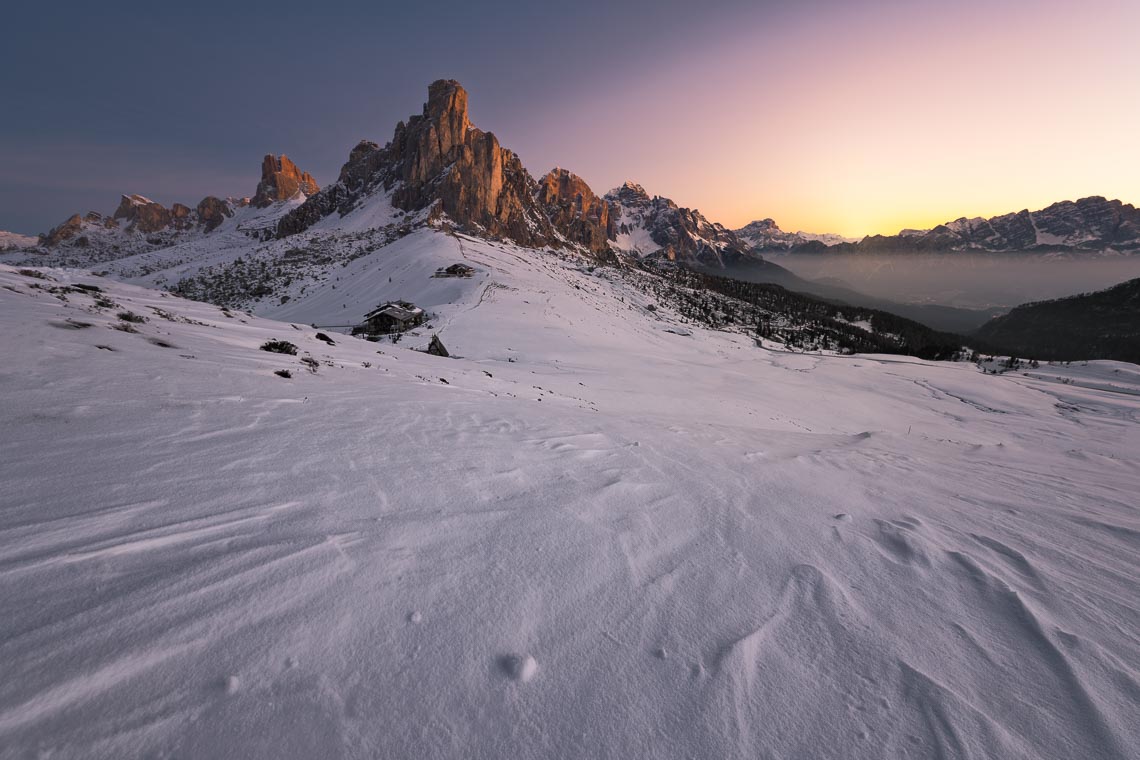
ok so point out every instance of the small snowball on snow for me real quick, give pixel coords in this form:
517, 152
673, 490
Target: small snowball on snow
232, 684
415, 617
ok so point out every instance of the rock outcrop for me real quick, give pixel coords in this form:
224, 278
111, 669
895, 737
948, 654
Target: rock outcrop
280, 181
574, 210
143, 214
213, 211
68, 229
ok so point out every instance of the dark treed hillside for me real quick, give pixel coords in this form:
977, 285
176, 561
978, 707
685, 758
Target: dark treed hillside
798, 320
1101, 325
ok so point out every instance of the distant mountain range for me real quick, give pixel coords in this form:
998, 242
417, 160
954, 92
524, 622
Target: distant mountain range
441, 171
438, 167
1091, 224
765, 236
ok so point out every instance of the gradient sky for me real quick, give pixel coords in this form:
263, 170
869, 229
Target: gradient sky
851, 117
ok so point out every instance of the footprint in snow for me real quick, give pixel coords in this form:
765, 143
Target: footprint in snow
518, 667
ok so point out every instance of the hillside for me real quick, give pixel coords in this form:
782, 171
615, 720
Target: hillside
1098, 325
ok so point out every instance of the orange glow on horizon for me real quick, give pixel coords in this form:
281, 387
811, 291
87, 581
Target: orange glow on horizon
859, 122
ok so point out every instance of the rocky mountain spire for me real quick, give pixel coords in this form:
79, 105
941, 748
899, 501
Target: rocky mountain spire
280, 181
439, 163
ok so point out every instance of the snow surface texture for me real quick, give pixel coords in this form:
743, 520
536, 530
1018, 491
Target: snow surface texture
597, 533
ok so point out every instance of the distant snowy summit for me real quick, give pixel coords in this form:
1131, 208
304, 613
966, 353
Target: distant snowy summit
1088, 224
765, 236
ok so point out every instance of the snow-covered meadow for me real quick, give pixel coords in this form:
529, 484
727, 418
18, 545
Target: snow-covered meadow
587, 535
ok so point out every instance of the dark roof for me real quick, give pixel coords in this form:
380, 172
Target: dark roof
398, 310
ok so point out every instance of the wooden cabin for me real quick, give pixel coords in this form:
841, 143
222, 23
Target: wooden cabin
455, 270
391, 317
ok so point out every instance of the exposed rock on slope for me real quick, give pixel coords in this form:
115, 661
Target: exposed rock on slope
143, 214
439, 162
213, 211
280, 181
575, 210
657, 226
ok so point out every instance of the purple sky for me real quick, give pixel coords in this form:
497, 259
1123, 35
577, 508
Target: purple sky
850, 116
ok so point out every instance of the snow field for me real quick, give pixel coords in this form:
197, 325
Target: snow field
596, 539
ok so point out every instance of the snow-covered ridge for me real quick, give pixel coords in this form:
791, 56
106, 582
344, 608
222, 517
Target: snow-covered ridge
13, 241
402, 555
765, 236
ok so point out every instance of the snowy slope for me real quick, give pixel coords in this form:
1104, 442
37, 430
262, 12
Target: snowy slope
588, 537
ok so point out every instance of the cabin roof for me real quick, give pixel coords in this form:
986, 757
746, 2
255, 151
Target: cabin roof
398, 310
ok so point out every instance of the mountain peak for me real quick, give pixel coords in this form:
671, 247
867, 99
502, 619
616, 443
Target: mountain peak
280, 181
438, 163
630, 193
446, 99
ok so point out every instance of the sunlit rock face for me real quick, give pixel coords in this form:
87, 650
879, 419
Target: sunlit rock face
438, 162
573, 208
280, 181
66, 230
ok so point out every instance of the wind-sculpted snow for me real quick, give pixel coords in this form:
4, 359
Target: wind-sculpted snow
600, 532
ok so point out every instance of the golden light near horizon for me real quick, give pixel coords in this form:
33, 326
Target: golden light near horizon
869, 122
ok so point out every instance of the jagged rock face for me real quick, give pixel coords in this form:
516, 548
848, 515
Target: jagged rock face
180, 216
1089, 224
438, 161
143, 214
65, 231
213, 211
657, 226
138, 224
280, 181
574, 210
